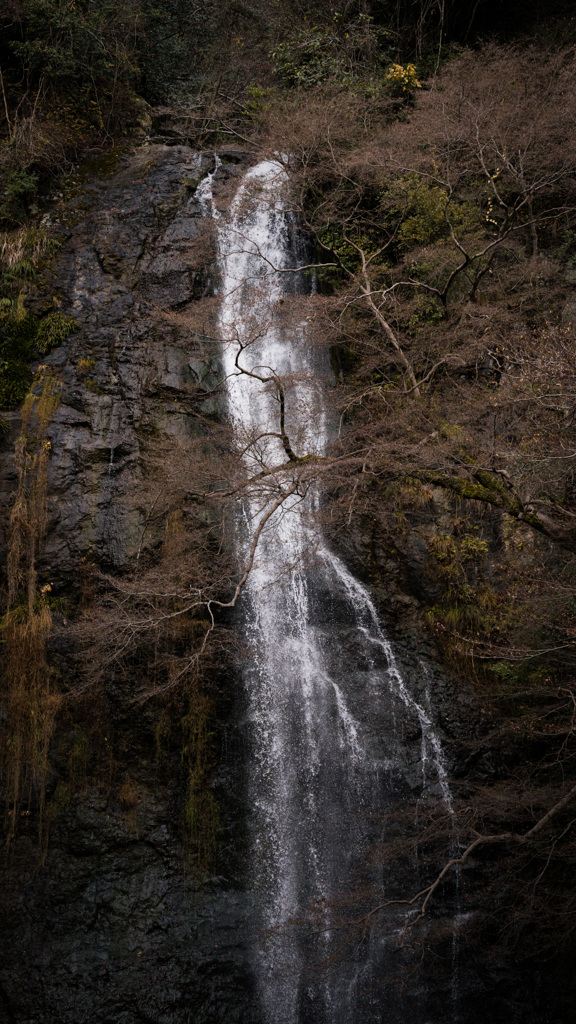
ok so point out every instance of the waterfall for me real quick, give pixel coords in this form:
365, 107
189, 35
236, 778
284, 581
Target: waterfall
327, 705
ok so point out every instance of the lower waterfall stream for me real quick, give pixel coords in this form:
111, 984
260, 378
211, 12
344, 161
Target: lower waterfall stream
327, 705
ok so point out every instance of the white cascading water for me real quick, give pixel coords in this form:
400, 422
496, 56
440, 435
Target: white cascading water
327, 705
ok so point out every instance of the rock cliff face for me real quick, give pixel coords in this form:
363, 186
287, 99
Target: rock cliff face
111, 928
128, 255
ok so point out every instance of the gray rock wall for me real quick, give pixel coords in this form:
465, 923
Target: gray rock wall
111, 928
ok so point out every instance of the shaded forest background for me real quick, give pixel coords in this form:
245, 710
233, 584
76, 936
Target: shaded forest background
430, 169
74, 75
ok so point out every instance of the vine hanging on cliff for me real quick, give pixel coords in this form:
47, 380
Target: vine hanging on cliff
31, 700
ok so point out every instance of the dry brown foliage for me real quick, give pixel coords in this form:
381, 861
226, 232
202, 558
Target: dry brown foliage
32, 701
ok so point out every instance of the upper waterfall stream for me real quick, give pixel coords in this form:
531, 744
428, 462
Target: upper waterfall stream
327, 705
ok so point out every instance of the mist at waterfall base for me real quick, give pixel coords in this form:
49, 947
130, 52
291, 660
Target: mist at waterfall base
335, 737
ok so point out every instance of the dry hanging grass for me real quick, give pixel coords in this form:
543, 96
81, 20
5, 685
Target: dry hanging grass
30, 698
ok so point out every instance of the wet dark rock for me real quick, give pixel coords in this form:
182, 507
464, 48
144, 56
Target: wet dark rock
129, 256
111, 928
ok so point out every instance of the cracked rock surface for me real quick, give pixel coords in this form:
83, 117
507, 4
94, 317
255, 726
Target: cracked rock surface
110, 929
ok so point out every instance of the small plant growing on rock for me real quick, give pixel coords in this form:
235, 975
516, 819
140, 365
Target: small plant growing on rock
53, 331
85, 366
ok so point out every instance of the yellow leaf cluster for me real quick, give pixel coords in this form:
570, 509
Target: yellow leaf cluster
403, 77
